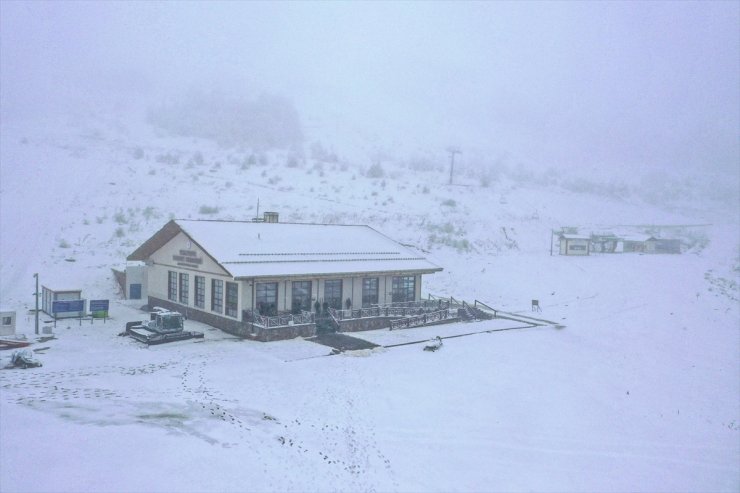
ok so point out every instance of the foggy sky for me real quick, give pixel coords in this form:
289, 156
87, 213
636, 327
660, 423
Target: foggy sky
639, 85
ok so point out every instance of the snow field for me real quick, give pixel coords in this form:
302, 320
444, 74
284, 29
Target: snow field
637, 392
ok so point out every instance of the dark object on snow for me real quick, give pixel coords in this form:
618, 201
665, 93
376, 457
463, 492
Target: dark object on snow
13, 343
23, 358
164, 326
436, 343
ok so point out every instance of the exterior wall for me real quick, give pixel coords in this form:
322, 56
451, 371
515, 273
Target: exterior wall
136, 274
663, 246
180, 255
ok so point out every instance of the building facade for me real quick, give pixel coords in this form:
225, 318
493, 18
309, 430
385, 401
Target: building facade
234, 275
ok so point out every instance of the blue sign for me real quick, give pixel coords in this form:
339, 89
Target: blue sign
67, 306
99, 305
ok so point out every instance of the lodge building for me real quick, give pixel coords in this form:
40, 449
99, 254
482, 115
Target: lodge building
263, 279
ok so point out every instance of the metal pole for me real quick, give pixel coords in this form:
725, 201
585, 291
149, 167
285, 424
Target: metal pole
552, 233
37, 302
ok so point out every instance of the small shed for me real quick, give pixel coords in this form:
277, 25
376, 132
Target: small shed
49, 296
662, 245
604, 242
572, 244
7, 322
632, 243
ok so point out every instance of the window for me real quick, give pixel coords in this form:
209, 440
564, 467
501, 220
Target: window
404, 289
333, 293
7, 320
266, 298
369, 291
301, 296
217, 295
232, 298
172, 286
200, 291
184, 288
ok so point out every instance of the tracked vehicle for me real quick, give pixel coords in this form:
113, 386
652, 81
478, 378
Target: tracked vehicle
164, 326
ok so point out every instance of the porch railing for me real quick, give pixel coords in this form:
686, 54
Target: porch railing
282, 320
404, 309
418, 320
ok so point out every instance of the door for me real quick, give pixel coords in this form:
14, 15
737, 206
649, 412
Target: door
134, 291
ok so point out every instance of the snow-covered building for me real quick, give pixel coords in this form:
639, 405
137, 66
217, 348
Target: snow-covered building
51, 294
235, 274
573, 244
662, 245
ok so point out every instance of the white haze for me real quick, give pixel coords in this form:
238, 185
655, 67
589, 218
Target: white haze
584, 87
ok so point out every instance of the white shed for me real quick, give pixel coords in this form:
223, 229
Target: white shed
49, 296
7, 322
571, 244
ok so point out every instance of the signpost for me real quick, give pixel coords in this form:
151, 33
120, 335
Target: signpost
67, 306
99, 309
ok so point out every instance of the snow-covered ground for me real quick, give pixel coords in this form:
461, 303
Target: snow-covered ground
637, 389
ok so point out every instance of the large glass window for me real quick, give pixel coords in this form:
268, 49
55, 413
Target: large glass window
217, 295
369, 291
172, 286
301, 296
333, 293
184, 288
200, 291
266, 298
232, 298
404, 288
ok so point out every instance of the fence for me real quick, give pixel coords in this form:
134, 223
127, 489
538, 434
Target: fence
282, 320
415, 321
404, 309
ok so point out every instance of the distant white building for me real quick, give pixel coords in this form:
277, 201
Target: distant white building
573, 244
225, 273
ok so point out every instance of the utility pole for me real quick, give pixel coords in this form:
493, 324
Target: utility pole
453, 150
36, 294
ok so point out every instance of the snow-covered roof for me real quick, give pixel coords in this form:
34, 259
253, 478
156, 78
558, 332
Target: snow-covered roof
569, 236
257, 249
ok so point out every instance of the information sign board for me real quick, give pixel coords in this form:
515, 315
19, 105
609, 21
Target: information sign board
99, 308
67, 306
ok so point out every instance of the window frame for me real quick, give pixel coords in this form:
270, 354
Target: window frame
403, 289
183, 287
217, 295
231, 299
199, 298
368, 298
172, 285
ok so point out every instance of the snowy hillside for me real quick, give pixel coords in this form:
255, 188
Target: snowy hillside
636, 390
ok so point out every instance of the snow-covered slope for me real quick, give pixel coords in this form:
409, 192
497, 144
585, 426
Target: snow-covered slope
638, 391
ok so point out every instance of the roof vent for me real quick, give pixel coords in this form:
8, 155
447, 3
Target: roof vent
271, 217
